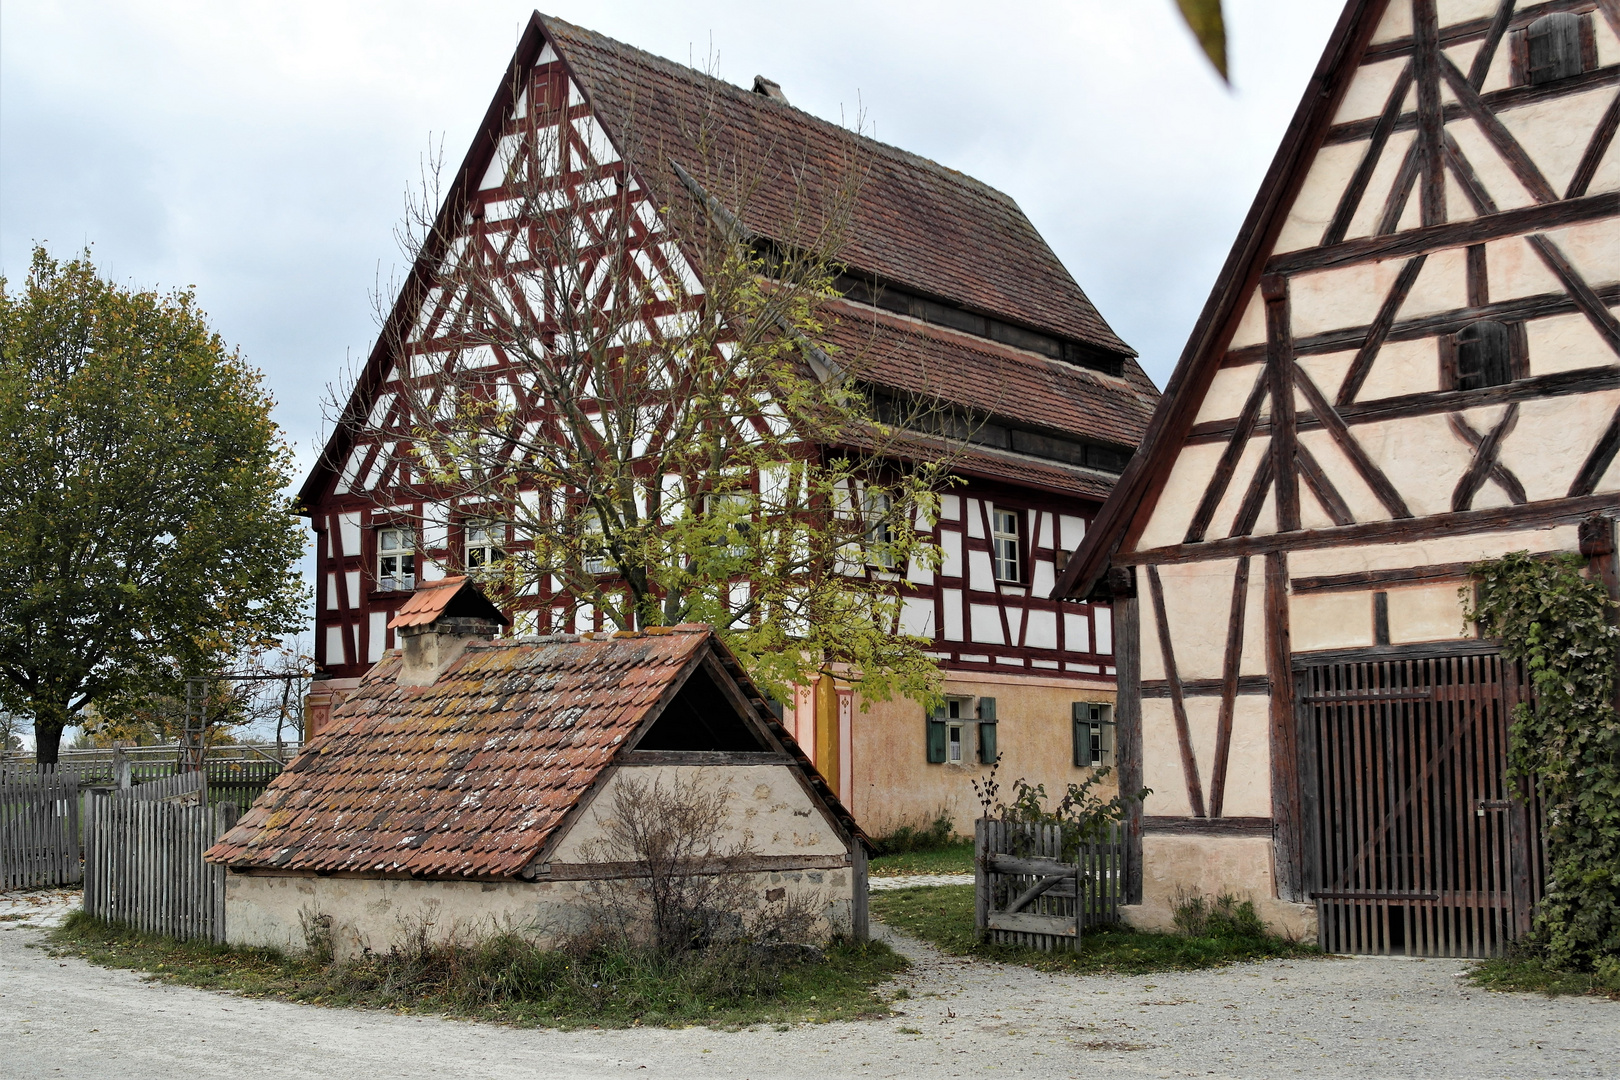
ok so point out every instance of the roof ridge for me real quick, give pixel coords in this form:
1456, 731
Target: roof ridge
649, 59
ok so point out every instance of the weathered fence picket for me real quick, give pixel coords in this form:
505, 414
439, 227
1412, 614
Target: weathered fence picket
39, 830
144, 868
1029, 891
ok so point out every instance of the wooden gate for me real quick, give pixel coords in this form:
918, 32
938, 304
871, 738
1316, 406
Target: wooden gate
1416, 843
1035, 887
143, 865
39, 830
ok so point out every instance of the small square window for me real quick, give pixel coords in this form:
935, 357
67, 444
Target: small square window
1093, 735
396, 558
483, 543
1004, 528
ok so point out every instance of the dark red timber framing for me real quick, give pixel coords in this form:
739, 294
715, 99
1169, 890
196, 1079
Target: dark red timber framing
950, 290
1444, 217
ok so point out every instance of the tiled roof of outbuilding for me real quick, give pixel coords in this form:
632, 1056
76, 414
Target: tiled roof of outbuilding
468, 777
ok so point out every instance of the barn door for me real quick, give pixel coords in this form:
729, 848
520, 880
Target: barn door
1417, 845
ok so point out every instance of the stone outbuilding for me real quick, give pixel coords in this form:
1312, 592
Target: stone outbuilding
463, 780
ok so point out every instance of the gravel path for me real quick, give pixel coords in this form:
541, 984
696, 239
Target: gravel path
908, 881
1348, 1018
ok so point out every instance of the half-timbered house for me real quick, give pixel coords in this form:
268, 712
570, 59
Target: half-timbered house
1410, 363
949, 292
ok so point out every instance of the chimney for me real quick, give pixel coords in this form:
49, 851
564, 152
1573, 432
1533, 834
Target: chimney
436, 624
768, 88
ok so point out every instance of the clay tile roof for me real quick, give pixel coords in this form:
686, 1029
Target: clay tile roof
452, 595
468, 777
916, 223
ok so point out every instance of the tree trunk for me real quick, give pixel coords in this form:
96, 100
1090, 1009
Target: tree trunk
50, 718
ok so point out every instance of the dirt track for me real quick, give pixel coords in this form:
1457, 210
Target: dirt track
1346, 1018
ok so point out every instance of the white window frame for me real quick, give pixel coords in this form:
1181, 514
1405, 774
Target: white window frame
955, 744
1102, 716
396, 558
875, 508
479, 535
591, 528
1006, 547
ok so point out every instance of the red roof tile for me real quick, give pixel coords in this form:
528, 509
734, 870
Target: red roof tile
468, 777
427, 603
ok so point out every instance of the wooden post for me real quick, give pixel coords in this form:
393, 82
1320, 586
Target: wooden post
1288, 844
1128, 732
859, 916
981, 877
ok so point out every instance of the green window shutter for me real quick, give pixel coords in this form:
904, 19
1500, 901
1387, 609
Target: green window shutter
987, 709
987, 742
1082, 738
936, 738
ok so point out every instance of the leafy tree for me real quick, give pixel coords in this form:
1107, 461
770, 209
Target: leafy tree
144, 535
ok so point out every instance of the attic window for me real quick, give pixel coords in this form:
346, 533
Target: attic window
769, 88
701, 718
1553, 47
1483, 356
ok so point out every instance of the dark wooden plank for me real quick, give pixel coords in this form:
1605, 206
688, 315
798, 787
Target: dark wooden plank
1472, 186
700, 757
1222, 476
1128, 734
1322, 487
1472, 29
1285, 788
1227, 826
1425, 70
1369, 472
1389, 219
1598, 461
1523, 168
1422, 650
1253, 499
1452, 234
1498, 101
1535, 514
1602, 136
1429, 403
1361, 366
1485, 463
1280, 371
1479, 281
1357, 188
1247, 684
1362, 580
1189, 763
1481, 65
1229, 686
1380, 618
1596, 312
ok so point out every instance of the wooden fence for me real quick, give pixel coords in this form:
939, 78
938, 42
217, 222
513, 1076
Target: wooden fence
1037, 887
237, 777
39, 831
143, 865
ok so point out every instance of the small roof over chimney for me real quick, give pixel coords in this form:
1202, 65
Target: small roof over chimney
769, 88
449, 598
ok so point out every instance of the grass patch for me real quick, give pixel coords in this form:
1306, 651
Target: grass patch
507, 979
1526, 971
944, 918
951, 858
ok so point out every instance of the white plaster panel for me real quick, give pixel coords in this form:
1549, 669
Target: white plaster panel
1197, 602
349, 529
1184, 487
334, 645
950, 542
1555, 133
1342, 297
1422, 458
1462, 55
950, 507
1593, 248
975, 520
1607, 177
1151, 659
377, 636
1514, 270
429, 570
1564, 343
1327, 371
1103, 620
1363, 504
1226, 511
1553, 438
1371, 208
1015, 625
985, 624
1369, 90
1227, 392
1494, 174
1043, 529
331, 593
1402, 367
1345, 560
1076, 632
1329, 621
1442, 285
1041, 633
1318, 197
952, 603
1043, 577
1426, 613
1396, 23
1161, 759
1251, 328
1456, 11
918, 574
1071, 531
435, 526
1253, 660
981, 575
1248, 773
352, 581
1608, 45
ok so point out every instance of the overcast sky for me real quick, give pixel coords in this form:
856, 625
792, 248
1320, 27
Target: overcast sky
260, 151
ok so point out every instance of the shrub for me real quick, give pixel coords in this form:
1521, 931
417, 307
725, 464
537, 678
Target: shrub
1225, 917
932, 836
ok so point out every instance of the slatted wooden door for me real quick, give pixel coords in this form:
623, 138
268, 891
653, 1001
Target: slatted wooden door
1417, 843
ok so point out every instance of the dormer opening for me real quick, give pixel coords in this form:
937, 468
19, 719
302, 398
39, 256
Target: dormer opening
702, 717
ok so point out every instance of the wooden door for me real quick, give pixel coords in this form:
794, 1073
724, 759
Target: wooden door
1417, 844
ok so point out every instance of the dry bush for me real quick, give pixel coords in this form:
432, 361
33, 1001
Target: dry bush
681, 881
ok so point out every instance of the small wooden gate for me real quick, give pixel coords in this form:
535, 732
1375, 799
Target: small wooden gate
143, 865
1416, 843
1029, 891
39, 830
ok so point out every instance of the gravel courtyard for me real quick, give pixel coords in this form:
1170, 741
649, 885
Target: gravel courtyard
1361, 1017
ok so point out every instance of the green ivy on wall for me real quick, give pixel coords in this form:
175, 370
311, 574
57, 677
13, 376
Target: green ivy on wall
1556, 622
